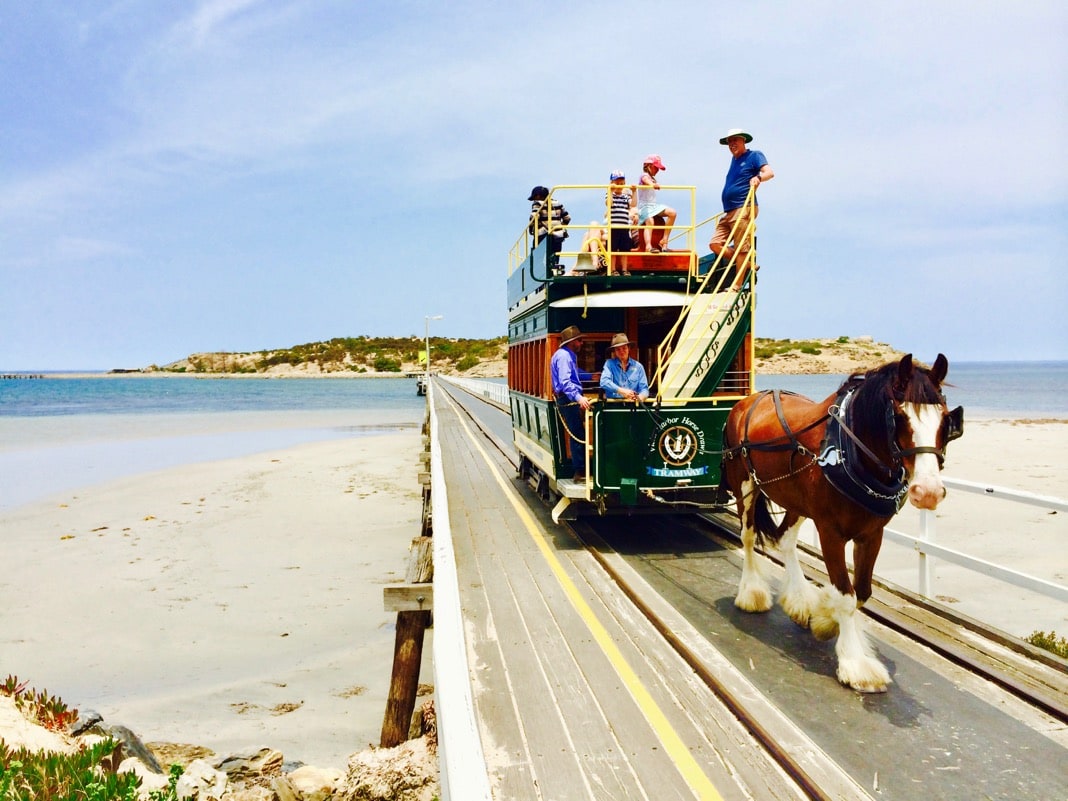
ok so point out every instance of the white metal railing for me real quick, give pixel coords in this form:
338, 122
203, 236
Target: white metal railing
925, 546
461, 760
498, 393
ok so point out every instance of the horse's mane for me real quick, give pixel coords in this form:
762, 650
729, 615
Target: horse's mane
876, 386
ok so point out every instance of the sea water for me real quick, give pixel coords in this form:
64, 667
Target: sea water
985, 389
59, 433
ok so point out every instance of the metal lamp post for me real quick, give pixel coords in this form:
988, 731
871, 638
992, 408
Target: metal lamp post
427, 320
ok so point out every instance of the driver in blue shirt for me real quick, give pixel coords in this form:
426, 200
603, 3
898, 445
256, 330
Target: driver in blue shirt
622, 376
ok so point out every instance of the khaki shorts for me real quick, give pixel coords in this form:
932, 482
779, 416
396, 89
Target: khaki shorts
726, 223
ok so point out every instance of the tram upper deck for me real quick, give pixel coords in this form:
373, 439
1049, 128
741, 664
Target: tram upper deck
691, 315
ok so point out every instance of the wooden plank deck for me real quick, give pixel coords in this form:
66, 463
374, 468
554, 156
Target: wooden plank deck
575, 695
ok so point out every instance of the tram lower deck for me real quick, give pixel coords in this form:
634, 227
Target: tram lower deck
690, 319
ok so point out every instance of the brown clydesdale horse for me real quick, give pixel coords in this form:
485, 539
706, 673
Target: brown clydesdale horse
847, 463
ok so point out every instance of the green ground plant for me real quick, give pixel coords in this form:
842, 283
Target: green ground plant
1049, 641
767, 348
80, 776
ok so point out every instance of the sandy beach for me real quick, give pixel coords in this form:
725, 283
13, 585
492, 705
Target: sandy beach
227, 604
238, 603
1027, 455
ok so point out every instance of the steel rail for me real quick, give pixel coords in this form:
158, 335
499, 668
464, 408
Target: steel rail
1050, 705
779, 755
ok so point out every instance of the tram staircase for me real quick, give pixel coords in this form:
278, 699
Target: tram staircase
713, 327
699, 349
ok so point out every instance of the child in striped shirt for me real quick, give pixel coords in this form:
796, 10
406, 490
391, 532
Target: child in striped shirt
621, 203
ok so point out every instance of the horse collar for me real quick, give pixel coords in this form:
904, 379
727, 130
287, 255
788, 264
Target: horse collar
846, 471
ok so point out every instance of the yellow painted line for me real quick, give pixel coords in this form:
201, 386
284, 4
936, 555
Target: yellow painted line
673, 745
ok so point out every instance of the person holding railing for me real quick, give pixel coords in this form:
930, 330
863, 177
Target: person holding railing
747, 171
548, 219
650, 211
570, 401
622, 376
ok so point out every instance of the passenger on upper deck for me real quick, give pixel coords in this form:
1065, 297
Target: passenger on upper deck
594, 243
567, 388
545, 215
622, 376
621, 203
748, 169
650, 212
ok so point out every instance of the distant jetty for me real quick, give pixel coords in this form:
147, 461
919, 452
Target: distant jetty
14, 376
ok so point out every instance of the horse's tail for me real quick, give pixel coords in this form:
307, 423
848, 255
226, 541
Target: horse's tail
765, 526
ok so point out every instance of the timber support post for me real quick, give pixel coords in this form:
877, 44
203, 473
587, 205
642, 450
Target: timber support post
413, 601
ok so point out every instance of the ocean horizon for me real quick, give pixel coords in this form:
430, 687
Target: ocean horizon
985, 389
59, 433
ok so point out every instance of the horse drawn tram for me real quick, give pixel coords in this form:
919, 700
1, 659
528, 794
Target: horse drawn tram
689, 319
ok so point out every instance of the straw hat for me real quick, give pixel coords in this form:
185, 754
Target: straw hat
748, 137
617, 340
570, 334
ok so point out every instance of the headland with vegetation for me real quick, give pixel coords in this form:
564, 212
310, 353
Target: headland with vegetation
488, 358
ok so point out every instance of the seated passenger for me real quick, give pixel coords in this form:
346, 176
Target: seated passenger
591, 257
622, 376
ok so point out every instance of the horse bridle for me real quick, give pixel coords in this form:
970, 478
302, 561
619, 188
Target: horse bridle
954, 425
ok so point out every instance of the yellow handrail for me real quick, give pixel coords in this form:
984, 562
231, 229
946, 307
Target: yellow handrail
520, 251
664, 350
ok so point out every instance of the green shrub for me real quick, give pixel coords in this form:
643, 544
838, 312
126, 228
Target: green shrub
384, 364
467, 362
1049, 641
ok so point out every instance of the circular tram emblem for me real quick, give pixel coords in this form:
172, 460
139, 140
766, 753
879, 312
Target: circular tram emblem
678, 445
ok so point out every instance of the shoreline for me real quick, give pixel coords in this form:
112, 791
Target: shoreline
237, 602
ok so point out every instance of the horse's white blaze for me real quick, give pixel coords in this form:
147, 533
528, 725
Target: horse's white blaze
925, 488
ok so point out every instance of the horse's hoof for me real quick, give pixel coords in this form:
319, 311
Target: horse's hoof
864, 678
823, 628
753, 601
863, 687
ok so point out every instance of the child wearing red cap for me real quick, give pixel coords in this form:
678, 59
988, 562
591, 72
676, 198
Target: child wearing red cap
650, 212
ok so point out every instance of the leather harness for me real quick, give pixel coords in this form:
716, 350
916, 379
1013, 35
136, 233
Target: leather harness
839, 456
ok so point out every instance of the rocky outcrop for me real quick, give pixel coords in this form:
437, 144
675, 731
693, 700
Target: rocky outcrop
408, 772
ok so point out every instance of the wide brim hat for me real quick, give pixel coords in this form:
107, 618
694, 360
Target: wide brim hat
655, 160
570, 334
748, 137
618, 340
539, 193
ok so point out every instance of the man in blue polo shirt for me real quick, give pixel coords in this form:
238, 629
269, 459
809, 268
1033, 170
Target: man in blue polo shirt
748, 170
622, 376
567, 381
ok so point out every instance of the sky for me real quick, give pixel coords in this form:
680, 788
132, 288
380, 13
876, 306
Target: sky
240, 175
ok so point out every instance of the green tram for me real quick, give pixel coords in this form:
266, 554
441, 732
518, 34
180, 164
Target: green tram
691, 317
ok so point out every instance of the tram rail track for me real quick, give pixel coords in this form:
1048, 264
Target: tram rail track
815, 775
